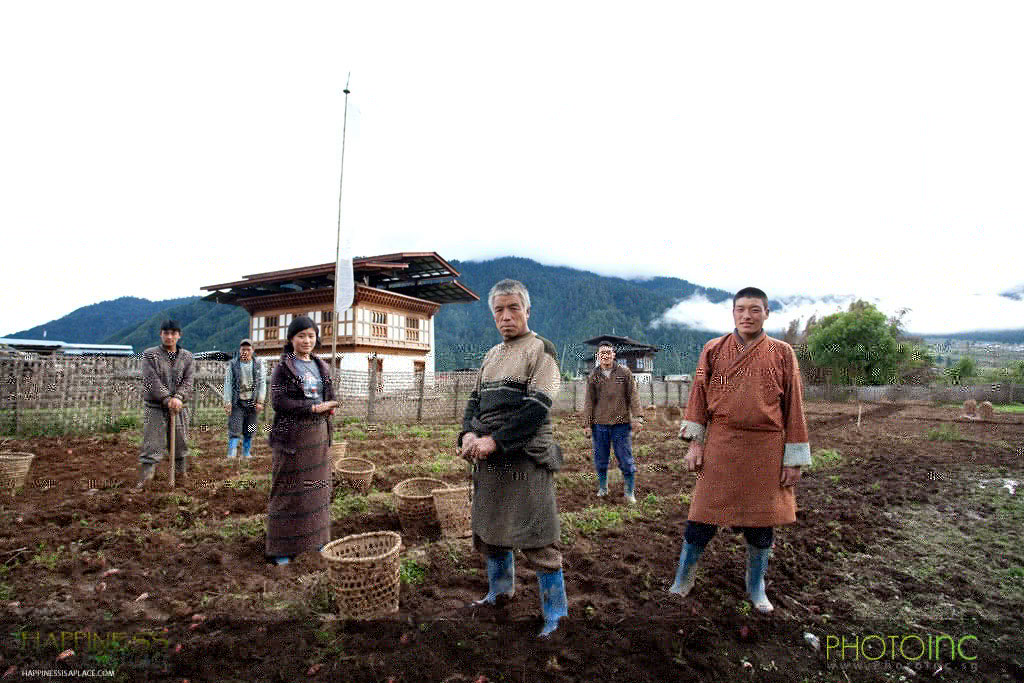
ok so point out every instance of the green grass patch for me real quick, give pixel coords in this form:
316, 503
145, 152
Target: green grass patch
382, 500
254, 527
355, 434
824, 458
6, 591
411, 572
347, 503
442, 463
947, 432
47, 558
1010, 408
593, 519
419, 431
576, 480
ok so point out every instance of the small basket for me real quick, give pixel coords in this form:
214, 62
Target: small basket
454, 511
14, 469
415, 503
363, 571
355, 473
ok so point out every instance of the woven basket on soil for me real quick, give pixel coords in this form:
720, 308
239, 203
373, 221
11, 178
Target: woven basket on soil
14, 469
415, 503
354, 473
363, 572
454, 510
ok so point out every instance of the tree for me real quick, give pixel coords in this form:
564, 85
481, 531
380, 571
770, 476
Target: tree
1016, 372
857, 345
962, 370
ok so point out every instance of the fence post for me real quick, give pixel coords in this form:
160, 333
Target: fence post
574, 385
455, 402
652, 390
371, 392
17, 395
679, 389
419, 404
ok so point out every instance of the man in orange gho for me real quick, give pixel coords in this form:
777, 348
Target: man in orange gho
748, 439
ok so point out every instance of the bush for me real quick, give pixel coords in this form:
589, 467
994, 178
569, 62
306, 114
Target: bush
824, 458
411, 571
944, 433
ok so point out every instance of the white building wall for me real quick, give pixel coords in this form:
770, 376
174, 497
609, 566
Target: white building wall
429, 379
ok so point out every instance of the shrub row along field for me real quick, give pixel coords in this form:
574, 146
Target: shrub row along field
910, 526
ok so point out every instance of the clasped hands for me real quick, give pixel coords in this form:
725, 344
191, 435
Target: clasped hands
477, 447
694, 461
174, 404
325, 407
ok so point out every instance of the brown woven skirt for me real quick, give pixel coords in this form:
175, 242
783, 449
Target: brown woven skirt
299, 514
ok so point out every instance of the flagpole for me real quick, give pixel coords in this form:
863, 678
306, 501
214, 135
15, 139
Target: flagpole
337, 252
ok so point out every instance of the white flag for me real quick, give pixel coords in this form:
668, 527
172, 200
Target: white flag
344, 285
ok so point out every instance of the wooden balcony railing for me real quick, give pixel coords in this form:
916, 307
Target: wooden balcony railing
351, 340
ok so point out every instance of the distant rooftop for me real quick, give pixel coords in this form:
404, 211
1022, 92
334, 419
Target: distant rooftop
621, 343
420, 274
67, 348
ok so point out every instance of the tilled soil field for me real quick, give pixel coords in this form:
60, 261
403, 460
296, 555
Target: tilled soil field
909, 527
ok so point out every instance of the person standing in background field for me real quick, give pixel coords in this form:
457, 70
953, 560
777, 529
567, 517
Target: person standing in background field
507, 434
611, 401
167, 374
245, 389
748, 439
299, 511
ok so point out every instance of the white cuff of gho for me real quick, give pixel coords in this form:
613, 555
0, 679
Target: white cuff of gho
691, 431
796, 455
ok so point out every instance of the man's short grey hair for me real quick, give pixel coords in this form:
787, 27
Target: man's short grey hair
509, 287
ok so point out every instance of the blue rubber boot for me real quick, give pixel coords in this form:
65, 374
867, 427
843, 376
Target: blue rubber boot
602, 483
247, 446
282, 560
757, 561
685, 574
553, 602
501, 578
232, 446
628, 483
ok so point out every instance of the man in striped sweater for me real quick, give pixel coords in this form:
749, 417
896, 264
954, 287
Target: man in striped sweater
506, 433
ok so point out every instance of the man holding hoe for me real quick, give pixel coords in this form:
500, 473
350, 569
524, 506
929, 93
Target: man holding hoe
167, 373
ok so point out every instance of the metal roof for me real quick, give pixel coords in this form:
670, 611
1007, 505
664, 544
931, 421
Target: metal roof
68, 348
622, 343
37, 343
423, 275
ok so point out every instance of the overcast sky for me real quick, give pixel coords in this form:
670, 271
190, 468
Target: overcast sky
864, 149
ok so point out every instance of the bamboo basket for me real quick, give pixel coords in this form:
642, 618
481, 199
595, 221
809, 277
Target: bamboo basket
454, 507
363, 572
354, 473
415, 502
14, 469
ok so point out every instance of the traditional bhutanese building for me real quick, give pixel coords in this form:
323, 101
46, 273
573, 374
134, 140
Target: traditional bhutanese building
390, 324
636, 356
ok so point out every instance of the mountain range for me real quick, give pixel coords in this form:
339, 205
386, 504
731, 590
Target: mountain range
567, 306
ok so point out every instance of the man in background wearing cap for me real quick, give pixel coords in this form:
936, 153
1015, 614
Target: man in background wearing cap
167, 372
245, 388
